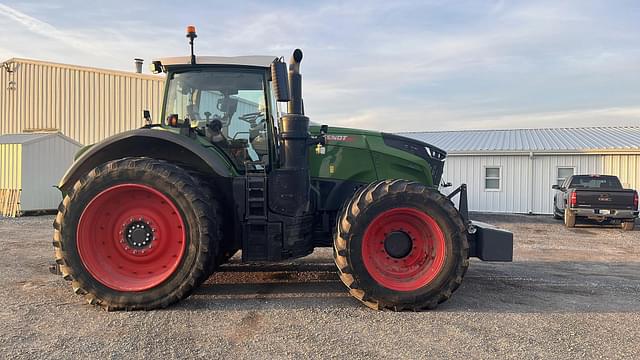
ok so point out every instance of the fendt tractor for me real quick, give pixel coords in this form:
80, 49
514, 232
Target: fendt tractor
149, 214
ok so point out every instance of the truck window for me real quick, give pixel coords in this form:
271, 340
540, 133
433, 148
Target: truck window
595, 182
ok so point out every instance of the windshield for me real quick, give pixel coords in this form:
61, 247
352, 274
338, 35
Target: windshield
229, 106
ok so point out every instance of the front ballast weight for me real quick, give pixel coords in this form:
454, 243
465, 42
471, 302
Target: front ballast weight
486, 242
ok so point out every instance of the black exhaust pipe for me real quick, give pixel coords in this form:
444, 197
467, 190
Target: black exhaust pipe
296, 105
290, 194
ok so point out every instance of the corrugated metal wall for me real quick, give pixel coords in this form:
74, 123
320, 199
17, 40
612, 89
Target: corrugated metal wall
545, 175
526, 182
10, 166
513, 196
85, 104
627, 167
43, 165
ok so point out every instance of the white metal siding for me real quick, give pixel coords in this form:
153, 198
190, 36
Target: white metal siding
545, 174
526, 182
43, 165
513, 195
83, 103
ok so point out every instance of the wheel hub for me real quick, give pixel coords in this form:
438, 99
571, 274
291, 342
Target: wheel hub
398, 244
138, 234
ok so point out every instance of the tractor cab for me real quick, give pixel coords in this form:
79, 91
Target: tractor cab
227, 100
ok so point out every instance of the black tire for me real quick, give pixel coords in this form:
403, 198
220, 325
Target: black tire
202, 232
569, 218
628, 225
362, 209
224, 250
556, 213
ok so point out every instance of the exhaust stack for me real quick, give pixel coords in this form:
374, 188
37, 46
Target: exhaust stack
296, 105
290, 193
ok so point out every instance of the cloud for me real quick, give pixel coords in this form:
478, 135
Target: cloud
433, 118
392, 65
43, 29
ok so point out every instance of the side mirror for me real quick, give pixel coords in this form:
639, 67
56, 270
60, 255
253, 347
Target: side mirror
324, 129
155, 67
555, 187
280, 79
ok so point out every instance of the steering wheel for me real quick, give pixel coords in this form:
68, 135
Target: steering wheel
251, 117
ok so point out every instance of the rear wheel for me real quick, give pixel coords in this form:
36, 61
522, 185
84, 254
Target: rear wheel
400, 245
628, 225
569, 218
136, 233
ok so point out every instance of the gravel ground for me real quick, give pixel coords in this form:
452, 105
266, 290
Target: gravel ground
568, 294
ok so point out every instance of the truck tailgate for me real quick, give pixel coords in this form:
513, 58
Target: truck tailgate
605, 198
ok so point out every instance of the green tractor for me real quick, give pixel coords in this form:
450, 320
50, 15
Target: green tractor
150, 214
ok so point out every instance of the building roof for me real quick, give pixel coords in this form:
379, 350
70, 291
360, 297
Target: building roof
27, 138
257, 60
18, 61
21, 138
592, 139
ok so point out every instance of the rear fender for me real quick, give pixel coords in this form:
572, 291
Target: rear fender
157, 144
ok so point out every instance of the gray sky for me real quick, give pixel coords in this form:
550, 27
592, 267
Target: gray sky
388, 65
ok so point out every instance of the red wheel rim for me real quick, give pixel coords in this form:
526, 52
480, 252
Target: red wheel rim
131, 237
424, 257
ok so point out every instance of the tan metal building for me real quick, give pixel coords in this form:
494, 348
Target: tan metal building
87, 104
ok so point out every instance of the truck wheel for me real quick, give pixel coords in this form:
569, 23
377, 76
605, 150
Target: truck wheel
136, 233
569, 218
628, 225
556, 213
400, 245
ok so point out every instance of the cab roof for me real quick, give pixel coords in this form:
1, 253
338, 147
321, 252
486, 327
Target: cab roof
257, 60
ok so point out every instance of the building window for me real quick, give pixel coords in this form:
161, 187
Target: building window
563, 173
492, 178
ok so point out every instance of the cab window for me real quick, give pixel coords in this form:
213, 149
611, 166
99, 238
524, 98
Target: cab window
227, 106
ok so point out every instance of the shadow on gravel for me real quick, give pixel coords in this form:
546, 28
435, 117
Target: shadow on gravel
519, 287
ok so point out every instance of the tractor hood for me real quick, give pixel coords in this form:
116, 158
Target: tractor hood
362, 155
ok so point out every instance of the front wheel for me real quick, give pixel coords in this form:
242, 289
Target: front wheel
136, 233
400, 245
556, 213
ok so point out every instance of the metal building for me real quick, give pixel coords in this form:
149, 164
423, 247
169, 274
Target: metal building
30, 166
512, 170
86, 104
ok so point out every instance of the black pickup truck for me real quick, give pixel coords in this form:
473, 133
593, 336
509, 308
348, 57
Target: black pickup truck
596, 197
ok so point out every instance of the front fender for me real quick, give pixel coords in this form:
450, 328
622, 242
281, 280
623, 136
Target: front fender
158, 144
